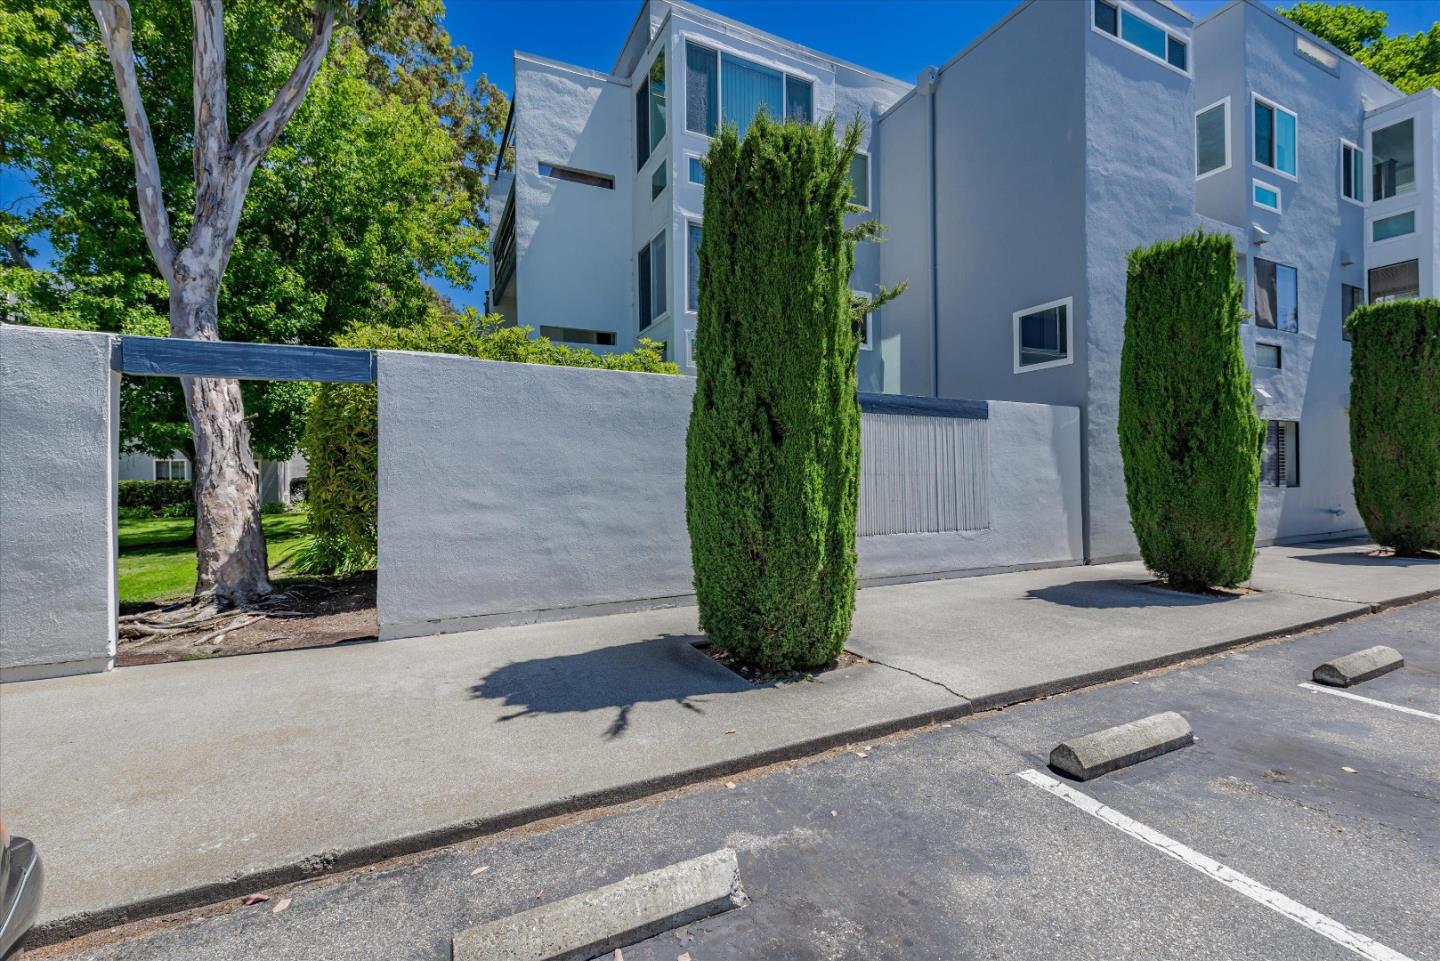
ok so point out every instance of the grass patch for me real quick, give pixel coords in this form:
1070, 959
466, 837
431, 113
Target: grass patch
157, 556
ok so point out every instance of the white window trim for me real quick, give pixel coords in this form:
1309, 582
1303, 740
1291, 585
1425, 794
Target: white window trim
1069, 304
685, 256
692, 155
1279, 195
171, 461
869, 182
1120, 5
721, 51
1364, 173
689, 346
1257, 98
1370, 240
1370, 161
1229, 155
664, 314
869, 342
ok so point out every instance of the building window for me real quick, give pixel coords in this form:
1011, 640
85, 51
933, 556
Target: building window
650, 281
1352, 172
1265, 196
1388, 228
659, 179
1393, 150
693, 234
1280, 462
1317, 54
860, 180
730, 88
1267, 355
1042, 335
650, 111
1276, 296
865, 330
690, 347
572, 175
1275, 137
1212, 139
1395, 282
578, 335
1134, 29
172, 469
696, 170
1350, 298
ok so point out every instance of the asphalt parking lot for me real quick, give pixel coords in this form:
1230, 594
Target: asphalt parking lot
1300, 825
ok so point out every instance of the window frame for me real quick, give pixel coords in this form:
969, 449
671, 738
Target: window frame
1414, 152
867, 342
1277, 480
1370, 225
1346, 145
1121, 8
1370, 280
170, 463
700, 224
720, 54
1279, 355
574, 175
692, 156
689, 346
869, 205
1257, 98
1069, 304
649, 251
1279, 196
662, 174
1278, 325
1224, 104
1344, 314
643, 90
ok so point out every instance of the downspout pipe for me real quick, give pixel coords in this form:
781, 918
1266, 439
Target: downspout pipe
925, 86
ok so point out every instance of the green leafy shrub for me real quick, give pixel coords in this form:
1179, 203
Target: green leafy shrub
1395, 422
772, 456
341, 431
274, 507
1189, 435
157, 496
299, 488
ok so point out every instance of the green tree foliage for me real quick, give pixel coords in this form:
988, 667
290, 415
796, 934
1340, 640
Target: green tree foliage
772, 459
341, 433
1395, 422
375, 185
1411, 61
1189, 435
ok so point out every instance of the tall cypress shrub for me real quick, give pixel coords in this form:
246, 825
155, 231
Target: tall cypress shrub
1395, 422
772, 453
1189, 435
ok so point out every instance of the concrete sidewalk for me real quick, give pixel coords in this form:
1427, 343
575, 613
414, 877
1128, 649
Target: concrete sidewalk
154, 787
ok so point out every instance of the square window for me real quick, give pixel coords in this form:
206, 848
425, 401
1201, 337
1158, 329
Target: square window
1042, 336
748, 88
1267, 355
1395, 282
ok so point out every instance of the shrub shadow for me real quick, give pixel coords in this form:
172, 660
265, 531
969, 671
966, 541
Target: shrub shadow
666, 668
1365, 559
1110, 595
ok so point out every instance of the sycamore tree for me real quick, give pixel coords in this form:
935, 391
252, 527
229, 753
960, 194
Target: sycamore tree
375, 184
1409, 61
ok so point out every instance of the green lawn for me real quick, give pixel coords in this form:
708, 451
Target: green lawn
157, 563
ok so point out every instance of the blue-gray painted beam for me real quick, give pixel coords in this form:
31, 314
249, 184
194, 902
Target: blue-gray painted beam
173, 357
924, 406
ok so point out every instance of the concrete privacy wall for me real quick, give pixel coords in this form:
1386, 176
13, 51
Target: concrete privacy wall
511, 492
59, 423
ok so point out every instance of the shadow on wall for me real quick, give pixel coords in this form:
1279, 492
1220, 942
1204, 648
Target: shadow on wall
667, 668
1109, 595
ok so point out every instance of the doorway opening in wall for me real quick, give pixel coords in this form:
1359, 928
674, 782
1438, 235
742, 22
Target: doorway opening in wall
156, 564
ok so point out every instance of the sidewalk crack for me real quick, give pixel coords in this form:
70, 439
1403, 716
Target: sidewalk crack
928, 680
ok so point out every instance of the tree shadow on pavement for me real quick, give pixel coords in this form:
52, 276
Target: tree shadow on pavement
1109, 595
666, 668
1367, 559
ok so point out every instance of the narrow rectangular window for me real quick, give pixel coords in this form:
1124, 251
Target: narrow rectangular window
799, 95
657, 100
1266, 195
1212, 139
1107, 18
659, 180
642, 286
748, 88
572, 175
1280, 461
1276, 296
1042, 336
1395, 282
1267, 355
1276, 134
642, 124
1350, 298
1352, 172
1264, 134
659, 272
1393, 149
697, 171
702, 90
1143, 34
693, 234
578, 335
1175, 51
860, 180
1387, 228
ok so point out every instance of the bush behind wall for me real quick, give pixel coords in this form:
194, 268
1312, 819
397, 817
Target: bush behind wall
1395, 422
1189, 435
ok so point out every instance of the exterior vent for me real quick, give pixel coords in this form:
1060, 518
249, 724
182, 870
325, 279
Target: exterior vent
923, 474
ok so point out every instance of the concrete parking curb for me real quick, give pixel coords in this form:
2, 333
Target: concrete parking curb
1359, 666
597, 922
1101, 752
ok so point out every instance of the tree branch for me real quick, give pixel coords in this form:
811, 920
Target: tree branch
212, 127
113, 16
258, 137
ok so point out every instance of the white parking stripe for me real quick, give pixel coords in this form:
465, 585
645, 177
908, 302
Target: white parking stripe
1272, 899
1370, 700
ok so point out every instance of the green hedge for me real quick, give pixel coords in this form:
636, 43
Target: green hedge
1189, 435
772, 465
156, 496
340, 441
1395, 422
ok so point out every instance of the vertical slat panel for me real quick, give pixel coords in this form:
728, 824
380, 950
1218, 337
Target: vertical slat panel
922, 474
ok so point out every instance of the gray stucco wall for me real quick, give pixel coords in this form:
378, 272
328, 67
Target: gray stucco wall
59, 423
511, 492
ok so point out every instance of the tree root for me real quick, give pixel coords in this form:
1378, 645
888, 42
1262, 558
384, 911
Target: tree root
203, 615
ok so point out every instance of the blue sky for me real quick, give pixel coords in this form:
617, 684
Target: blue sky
898, 37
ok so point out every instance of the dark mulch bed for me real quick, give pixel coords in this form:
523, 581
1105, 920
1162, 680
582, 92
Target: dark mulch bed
756, 675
